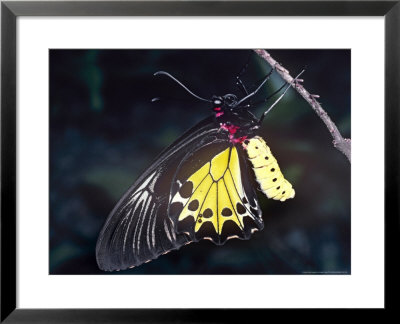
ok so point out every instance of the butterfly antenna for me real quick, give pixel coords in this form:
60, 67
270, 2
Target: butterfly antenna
280, 97
181, 84
258, 88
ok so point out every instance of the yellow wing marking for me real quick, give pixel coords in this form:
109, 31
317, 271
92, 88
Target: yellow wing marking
208, 209
195, 180
196, 199
219, 164
217, 195
234, 168
225, 209
235, 200
198, 177
268, 174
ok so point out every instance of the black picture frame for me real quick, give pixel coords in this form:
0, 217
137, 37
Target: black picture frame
10, 10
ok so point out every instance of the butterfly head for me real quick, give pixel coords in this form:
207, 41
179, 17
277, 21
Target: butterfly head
224, 103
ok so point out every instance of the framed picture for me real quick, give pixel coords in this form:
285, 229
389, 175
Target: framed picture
238, 127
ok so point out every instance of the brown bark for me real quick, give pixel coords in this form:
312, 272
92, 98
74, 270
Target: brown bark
339, 142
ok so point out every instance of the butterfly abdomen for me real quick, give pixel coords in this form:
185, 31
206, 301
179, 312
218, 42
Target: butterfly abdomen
266, 169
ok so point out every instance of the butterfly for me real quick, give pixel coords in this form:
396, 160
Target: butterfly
197, 188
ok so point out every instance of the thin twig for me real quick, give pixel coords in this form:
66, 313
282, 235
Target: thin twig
339, 142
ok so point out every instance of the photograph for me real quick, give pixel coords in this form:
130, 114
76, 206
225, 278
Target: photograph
199, 162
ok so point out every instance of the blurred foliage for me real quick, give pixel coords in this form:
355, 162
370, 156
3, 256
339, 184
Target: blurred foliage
104, 131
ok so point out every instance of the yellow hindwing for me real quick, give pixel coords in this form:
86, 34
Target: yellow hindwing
217, 194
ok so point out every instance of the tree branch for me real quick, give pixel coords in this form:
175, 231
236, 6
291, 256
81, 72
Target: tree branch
340, 143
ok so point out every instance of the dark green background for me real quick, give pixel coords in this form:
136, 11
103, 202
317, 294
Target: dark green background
104, 131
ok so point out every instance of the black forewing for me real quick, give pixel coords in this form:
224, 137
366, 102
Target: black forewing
138, 229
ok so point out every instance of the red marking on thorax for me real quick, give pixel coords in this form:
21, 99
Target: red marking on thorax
219, 113
232, 129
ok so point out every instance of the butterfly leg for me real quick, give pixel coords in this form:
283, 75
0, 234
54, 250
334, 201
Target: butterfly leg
239, 81
270, 96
